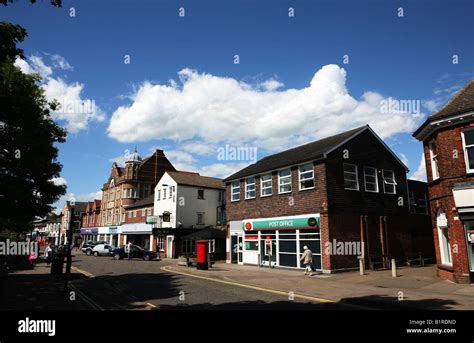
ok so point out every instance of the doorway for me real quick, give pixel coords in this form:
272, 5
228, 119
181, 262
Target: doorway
169, 246
469, 226
240, 249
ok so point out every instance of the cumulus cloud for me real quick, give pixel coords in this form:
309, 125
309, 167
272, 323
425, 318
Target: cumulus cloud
59, 181
75, 111
213, 109
420, 173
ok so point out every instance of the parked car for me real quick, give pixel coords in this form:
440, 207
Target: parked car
88, 246
137, 252
101, 249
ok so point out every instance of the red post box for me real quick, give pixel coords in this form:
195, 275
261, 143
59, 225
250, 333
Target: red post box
202, 257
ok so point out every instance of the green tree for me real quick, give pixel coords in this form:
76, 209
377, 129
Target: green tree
28, 135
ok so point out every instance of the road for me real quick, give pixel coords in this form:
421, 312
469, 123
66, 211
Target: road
143, 285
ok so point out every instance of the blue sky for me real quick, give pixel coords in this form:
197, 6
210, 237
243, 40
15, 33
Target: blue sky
289, 87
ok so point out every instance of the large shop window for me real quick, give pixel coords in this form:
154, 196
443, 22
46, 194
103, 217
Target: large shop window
434, 160
284, 181
389, 183
468, 145
266, 185
306, 174
443, 238
235, 191
351, 179
250, 188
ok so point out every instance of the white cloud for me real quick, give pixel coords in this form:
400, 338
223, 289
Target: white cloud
214, 109
420, 173
405, 160
271, 85
74, 110
59, 181
120, 160
58, 205
198, 148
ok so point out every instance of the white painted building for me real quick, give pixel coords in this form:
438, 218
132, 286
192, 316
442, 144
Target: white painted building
186, 201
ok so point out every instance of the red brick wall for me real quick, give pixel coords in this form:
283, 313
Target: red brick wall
139, 218
451, 171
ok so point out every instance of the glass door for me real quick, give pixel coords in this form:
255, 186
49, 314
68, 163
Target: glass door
469, 226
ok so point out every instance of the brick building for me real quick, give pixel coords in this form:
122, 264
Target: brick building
128, 184
448, 143
91, 220
342, 196
79, 210
136, 229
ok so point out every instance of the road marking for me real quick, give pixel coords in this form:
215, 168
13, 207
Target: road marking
262, 289
151, 305
85, 298
89, 275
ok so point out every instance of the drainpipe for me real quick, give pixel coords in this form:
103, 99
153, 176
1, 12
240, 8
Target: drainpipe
368, 239
382, 235
386, 234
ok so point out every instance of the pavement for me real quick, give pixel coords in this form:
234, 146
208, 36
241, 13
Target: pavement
38, 290
101, 283
413, 288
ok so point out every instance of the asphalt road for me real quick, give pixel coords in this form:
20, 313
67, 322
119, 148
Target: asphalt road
139, 284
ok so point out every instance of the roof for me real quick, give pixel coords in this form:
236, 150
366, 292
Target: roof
207, 233
79, 206
460, 103
149, 200
307, 152
196, 180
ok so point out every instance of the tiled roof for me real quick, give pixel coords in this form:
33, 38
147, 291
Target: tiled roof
307, 152
142, 202
194, 179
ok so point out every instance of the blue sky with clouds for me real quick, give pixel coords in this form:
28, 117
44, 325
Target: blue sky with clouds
182, 91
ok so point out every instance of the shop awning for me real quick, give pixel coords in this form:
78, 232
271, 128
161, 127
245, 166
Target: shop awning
89, 231
209, 233
137, 228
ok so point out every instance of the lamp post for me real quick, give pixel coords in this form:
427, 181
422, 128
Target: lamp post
69, 240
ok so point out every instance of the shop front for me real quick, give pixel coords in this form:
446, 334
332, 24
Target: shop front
464, 200
276, 242
139, 234
89, 233
109, 234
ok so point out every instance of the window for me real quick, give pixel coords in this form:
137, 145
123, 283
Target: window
221, 196
434, 160
266, 185
160, 243
370, 179
389, 183
351, 177
422, 204
134, 214
130, 214
188, 246
306, 176
468, 146
164, 193
212, 246
235, 192
443, 238
158, 195
250, 188
171, 192
284, 181
200, 218
143, 212
146, 190
201, 194
148, 212
412, 202
166, 217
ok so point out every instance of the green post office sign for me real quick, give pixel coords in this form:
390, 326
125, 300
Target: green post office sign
303, 222
152, 219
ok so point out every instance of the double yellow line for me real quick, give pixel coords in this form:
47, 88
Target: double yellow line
243, 285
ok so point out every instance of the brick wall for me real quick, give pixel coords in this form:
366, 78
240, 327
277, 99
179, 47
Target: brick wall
452, 170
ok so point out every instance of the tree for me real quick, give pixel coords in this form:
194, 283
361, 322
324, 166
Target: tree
28, 136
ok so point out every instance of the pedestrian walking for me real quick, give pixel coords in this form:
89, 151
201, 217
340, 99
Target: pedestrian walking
48, 252
307, 259
129, 250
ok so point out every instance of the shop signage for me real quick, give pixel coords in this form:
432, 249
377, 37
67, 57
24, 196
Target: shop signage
113, 230
307, 222
152, 219
89, 231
